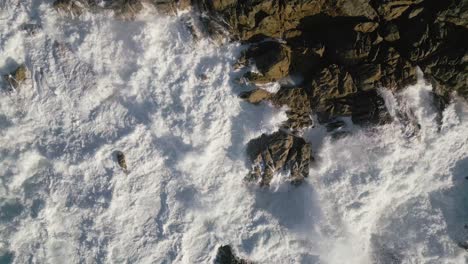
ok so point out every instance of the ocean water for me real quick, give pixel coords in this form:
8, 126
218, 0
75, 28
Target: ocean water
98, 85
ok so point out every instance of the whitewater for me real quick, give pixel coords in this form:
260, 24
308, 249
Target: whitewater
148, 88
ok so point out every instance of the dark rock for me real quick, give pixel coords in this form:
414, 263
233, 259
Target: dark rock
226, 256
397, 72
393, 9
272, 60
448, 72
456, 13
278, 152
299, 111
121, 160
390, 32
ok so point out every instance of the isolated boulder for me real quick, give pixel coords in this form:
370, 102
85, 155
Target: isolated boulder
225, 255
276, 153
17, 77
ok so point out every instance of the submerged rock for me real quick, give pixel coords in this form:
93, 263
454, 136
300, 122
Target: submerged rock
278, 152
226, 256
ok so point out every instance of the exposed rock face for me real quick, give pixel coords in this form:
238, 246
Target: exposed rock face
278, 152
272, 60
345, 51
379, 43
226, 256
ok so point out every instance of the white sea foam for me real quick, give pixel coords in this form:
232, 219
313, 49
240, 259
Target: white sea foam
100, 85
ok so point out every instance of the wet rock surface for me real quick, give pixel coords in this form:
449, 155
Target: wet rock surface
17, 77
279, 152
225, 255
389, 38
343, 51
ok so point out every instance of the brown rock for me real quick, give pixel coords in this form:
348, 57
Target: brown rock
278, 152
17, 77
272, 60
255, 96
392, 9
366, 27
299, 111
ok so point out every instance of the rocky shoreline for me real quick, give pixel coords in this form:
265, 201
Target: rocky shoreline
342, 52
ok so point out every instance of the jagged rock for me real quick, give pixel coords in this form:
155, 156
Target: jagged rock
17, 77
332, 82
367, 76
226, 256
397, 72
278, 152
299, 111
350, 8
449, 72
392, 9
457, 13
72, 7
272, 60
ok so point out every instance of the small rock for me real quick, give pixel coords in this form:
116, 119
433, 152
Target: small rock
226, 256
366, 27
17, 77
121, 160
415, 12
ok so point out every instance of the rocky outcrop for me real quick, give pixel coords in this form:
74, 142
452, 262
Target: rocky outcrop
278, 152
344, 51
379, 43
226, 256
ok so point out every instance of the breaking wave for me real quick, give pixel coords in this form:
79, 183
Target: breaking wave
147, 88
